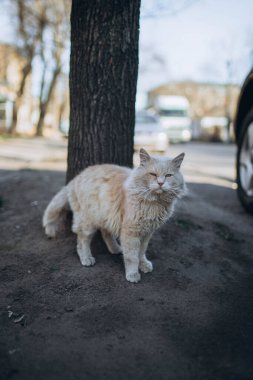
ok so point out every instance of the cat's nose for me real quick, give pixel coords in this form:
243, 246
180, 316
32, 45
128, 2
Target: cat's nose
160, 180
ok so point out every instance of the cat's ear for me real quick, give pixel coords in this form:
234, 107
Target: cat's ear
144, 156
177, 161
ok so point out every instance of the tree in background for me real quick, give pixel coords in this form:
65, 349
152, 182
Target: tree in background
103, 77
42, 33
29, 31
53, 45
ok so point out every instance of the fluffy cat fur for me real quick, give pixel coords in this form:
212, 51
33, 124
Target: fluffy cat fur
125, 204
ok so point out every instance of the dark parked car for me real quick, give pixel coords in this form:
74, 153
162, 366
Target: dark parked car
244, 139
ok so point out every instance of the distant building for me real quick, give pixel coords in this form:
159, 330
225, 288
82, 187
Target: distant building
11, 65
206, 99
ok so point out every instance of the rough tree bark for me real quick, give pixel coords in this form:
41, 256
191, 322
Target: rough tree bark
103, 77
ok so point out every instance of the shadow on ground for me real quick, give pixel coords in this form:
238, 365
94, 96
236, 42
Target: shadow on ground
190, 319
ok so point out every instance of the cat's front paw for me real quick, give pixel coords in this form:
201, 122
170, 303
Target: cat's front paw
146, 266
133, 277
88, 261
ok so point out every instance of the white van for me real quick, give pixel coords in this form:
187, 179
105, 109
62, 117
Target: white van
174, 113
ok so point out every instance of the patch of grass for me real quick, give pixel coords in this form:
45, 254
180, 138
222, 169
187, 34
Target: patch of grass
7, 136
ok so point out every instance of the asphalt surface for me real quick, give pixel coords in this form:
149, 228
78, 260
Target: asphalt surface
204, 162
191, 318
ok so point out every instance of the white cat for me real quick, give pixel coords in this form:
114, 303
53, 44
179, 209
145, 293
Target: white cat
125, 204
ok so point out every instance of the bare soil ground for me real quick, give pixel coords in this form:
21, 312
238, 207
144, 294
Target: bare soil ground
189, 319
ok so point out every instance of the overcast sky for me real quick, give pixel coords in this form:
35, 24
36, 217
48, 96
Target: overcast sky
193, 43
196, 42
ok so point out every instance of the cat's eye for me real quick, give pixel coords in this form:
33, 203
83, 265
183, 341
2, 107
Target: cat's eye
168, 175
153, 174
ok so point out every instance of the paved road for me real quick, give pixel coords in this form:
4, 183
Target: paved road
208, 163
204, 163
34, 153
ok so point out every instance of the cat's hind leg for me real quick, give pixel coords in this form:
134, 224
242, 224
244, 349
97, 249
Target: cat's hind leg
83, 249
84, 233
145, 265
84, 238
111, 242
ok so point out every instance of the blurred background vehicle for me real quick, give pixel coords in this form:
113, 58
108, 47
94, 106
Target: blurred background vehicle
244, 138
149, 133
174, 114
214, 129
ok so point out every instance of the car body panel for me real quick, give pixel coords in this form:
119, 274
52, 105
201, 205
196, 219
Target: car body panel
244, 105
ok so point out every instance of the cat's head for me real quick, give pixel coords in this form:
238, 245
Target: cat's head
160, 175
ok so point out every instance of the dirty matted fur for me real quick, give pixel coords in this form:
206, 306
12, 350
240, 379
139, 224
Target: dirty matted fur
125, 204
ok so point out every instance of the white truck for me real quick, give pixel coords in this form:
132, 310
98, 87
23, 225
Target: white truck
174, 113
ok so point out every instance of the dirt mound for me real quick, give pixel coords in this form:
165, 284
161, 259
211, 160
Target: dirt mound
189, 319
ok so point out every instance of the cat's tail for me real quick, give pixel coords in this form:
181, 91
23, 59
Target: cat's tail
53, 212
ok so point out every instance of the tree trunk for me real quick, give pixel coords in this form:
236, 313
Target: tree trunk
44, 104
19, 97
103, 77
40, 124
13, 128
